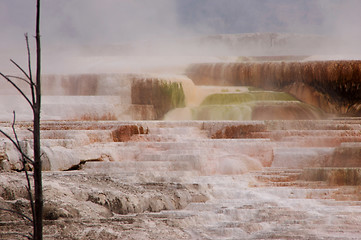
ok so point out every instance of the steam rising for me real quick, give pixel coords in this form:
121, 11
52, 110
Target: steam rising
77, 28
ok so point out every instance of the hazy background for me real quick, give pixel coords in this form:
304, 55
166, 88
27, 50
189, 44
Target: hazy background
73, 26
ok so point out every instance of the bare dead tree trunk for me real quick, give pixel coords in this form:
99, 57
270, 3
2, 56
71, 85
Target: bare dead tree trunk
38, 215
35, 104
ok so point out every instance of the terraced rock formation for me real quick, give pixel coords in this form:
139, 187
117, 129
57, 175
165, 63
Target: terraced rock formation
254, 105
148, 97
277, 160
192, 180
334, 86
99, 97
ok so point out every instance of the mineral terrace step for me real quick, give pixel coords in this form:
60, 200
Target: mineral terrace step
224, 233
86, 99
87, 125
168, 138
301, 193
86, 136
340, 203
139, 166
195, 151
279, 170
336, 124
301, 157
82, 111
178, 131
66, 107
209, 125
280, 134
231, 217
168, 157
293, 184
333, 175
170, 214
278, 178
320, 141
67, 143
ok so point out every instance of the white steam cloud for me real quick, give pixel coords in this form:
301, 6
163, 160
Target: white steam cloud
70, 25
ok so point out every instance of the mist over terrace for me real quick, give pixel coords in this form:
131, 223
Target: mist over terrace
183, 119
77, 34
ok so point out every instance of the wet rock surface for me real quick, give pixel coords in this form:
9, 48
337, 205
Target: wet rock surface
333, 86
193, 180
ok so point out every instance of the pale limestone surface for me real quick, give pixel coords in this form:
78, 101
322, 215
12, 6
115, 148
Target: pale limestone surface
178, 183
182, 180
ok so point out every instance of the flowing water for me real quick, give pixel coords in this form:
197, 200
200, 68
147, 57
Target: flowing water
141, 97
246, 186
333, 86
244, 162
240, 103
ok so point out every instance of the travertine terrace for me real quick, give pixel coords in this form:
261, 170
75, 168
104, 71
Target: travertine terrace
331, 85
113, 169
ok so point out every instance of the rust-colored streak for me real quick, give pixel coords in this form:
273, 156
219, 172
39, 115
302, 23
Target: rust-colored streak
334, 86
124, 133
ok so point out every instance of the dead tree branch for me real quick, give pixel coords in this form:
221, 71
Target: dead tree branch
36, 200
18, 213
17, 88
24, 158
20, 68
16, 144
18, 234
19, 78
32, 85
